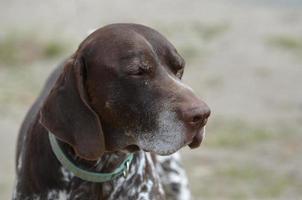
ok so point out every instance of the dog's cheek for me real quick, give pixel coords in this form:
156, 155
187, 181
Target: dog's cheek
168, 137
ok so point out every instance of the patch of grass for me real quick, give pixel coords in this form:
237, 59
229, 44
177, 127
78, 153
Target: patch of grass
189, 51
18, 87
236, 133
53, 49
8, 48
210, 32
247, 173
214, 81
263, 72
193, 38
23, 48
263, 182
286, 42
204, 31
238, 179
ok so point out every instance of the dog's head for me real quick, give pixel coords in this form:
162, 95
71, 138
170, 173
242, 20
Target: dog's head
122, 90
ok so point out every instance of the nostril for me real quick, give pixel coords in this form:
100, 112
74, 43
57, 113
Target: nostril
197, 118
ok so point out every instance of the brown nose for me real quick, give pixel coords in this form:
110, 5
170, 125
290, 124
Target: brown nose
196, 116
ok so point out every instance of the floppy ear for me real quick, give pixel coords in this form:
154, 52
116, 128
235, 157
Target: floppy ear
67, 114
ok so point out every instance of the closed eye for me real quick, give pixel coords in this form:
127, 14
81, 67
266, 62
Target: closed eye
177, 65
139, 70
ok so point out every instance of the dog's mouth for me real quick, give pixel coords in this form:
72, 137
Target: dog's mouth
132, 148
193, 143
197, 139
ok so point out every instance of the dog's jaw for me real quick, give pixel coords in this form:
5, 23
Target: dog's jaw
168, 138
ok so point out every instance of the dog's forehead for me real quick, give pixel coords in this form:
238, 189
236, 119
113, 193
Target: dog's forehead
134, 33
122, 38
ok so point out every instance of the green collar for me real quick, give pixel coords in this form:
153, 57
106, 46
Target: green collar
84, 174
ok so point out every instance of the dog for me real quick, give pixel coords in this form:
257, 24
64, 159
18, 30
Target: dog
116, 106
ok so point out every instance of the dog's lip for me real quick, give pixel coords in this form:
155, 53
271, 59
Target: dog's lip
197, 139
132, 148
193, 143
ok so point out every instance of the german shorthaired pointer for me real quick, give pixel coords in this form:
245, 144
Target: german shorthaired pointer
118, 97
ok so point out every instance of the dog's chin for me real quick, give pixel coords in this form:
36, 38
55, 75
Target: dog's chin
134, 148
197, 139
192, 143
162, 153
165, 153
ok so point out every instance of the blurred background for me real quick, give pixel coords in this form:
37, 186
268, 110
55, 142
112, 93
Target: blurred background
244, 58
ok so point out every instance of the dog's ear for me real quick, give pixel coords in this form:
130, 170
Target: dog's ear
67, 114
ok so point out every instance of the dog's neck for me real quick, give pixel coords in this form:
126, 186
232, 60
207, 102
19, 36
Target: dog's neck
38, 165
105, 164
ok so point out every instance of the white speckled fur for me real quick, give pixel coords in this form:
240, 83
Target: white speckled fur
67, 175
137, 169
57, 195
173, 177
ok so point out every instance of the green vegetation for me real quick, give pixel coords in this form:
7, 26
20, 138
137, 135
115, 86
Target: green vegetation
263, 72
289, 43
53, 49
22, 48
193, 38
190, 51
241, 160
236, 133
214, 81
259, 181
210, 32
286, 42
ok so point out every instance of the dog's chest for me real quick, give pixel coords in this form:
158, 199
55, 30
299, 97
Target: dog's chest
142, 182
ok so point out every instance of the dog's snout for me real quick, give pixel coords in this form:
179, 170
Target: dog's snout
197, 116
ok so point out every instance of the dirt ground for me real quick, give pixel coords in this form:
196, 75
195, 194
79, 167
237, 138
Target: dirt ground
244, 57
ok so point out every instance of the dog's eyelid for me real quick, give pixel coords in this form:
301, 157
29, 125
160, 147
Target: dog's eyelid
139, 69
146, 67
